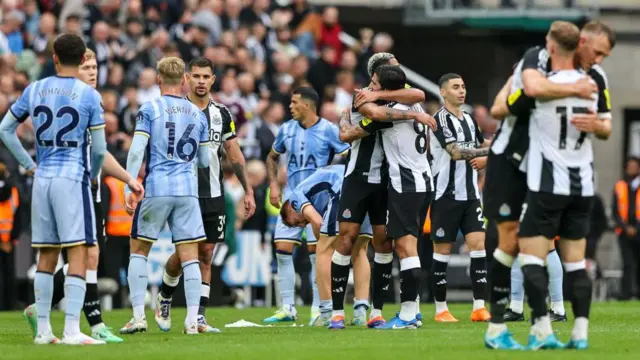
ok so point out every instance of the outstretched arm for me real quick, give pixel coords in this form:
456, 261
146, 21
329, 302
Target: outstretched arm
136, 155
236, 158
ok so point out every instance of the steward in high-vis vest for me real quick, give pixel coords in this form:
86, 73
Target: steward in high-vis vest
10, 228
118, 222
626, 213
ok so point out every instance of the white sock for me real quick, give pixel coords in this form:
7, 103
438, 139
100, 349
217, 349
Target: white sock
496, 329
418, 304
138, 311
408, 310
542, 327
374, 313
192, 314
517, 306
580, 329
441, 306
478, 304
71, 327
98, 327
558, 307
337, 313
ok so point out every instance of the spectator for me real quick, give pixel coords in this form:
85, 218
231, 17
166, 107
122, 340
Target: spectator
45, 32
230, 20
256, 13
330, 32
322, 73
99, 44
258, 135
344, 90
10, 27
147, 88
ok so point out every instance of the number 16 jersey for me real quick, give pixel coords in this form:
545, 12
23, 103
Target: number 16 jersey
175, 128
405, 149
560, 157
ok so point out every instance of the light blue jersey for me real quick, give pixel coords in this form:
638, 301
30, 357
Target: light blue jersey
307, 149
322, 191
175, 128
63, 109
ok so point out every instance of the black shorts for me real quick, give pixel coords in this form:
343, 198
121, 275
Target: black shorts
100, 230
214, 218
403, 215
449, 215
505, 188
358, 197
549, 215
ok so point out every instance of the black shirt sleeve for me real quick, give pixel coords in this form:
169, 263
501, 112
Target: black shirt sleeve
536, 58
604, 99
519, 103
443, 133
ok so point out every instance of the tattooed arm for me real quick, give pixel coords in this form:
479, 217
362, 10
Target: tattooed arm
465, 154
387, 114
348, 131
236, 158
272, 175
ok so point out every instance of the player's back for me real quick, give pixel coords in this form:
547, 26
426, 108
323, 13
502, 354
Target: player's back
175, 127
62, 110
551, 128
320, 187
405, 147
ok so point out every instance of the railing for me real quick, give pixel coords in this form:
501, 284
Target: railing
455, 9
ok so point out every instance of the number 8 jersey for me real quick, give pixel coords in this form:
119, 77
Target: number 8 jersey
62, 110
405, 149
560, 157
175, 128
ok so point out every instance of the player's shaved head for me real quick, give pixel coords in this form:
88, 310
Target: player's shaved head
565, 34
596, 27
69, 49
444, 79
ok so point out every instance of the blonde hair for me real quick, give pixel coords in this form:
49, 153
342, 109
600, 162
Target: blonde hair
171, 69
89, 55
566, 34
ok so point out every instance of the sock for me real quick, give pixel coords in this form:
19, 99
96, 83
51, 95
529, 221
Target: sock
554, 267
517, 288
360, 308
580, 329
418, 303
535, 284
314, 285
339, 277
169, 284
478, 277
205, 290
579, 290
382, 265
326, 307
541, 327
192, 283
138, 280
286, 277
43, 289
439, 280
75, 289
500, 274
91, 307
58, 287
375, 313
409, 286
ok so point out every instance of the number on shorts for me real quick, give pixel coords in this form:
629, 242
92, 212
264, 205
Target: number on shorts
48, 121
222, 219
479, 211
184, 140
421, 139
524, 210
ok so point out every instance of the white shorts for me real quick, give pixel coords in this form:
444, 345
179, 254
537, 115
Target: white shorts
182, 213
283, 233
62, 213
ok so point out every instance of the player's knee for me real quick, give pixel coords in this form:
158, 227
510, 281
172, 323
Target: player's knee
205, 254
139, 247
442, 248
344, 245
93, 256
285, 246
475, 242
383, 247
311, 249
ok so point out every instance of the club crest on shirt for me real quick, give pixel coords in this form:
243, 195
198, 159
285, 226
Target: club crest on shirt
447, 133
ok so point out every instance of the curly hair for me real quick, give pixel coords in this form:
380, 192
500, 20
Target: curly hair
376, 60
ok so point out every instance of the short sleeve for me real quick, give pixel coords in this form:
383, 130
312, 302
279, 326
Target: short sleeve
443, 133
536, 58
278, 143
372, 126
96, 120
228, 126
334, 140
20, 109
519, 103
604, 97
143, 121
298, 199
204, 134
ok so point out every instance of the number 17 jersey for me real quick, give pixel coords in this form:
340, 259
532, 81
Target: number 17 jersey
62, 110
175, 128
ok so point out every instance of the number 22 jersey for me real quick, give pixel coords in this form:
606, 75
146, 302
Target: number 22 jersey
175, 128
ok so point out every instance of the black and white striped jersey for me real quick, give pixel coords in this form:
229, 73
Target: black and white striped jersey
366, 156
512, 138
405, 150
455, 179
221, 129
560, 157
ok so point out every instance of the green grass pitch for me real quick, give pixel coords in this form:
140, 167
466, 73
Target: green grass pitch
614, 334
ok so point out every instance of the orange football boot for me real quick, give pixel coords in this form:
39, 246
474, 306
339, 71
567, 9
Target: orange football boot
445, 317
481, 314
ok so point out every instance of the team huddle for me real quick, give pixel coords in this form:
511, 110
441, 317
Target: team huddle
402, 165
